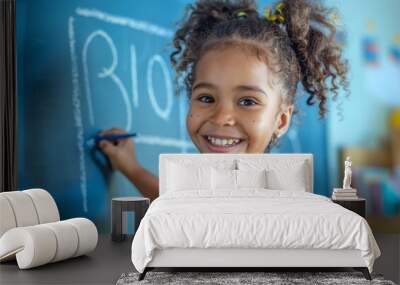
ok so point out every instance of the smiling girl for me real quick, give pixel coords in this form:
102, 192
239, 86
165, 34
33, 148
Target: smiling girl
242, 71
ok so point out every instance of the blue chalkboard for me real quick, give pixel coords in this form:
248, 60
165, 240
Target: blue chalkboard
89, 65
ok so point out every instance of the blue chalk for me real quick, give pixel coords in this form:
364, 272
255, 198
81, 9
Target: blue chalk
111, 137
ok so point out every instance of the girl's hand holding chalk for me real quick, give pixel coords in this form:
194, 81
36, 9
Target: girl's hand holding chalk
109, 137
119, 148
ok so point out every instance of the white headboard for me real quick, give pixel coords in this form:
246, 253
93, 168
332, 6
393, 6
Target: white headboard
197, 158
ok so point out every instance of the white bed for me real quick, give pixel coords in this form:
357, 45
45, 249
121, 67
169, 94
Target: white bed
248, 226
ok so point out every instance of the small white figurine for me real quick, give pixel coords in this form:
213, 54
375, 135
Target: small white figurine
347, 173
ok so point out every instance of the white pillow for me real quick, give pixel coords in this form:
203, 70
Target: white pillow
223, 179
181, 177
251, 178
282, 173
293, 179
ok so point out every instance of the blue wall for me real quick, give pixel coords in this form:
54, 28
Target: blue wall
89, 65
374, 88
86, 66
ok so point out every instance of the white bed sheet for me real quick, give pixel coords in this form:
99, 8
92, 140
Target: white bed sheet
250, 218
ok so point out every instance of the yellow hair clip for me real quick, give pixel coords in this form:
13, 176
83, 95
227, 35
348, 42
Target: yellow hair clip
241, 14
277, 16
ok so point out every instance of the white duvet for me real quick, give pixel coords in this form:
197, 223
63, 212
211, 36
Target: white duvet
251, 218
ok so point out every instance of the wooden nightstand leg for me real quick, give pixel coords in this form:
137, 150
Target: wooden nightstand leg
138, 216
140, 211
364, 271
116, 217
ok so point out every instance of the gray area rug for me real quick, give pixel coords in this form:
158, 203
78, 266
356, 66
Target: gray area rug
229, 278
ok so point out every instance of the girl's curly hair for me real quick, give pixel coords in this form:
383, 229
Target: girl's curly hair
301, 49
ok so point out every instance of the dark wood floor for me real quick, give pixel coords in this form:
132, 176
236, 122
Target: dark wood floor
110, 259
102, 266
